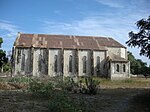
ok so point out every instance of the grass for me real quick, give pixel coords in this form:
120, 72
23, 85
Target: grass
127, 83
104, 83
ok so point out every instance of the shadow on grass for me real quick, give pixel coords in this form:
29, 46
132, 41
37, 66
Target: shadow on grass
140, 102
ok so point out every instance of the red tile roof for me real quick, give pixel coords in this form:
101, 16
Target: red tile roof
65, 41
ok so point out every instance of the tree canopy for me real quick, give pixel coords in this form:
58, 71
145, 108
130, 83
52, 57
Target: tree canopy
141, 39
3, 58
137, 66
1, 41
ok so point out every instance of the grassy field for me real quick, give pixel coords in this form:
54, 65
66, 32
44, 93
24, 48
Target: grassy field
5, 83
128, 83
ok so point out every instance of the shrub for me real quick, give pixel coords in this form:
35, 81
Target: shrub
67, 84
91, 85
7, 67
40, 89
20, 80
85, 85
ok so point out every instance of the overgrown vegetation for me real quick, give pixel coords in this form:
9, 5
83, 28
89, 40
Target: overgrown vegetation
40, 89
70, 95
4, 65
58, 99
85, 85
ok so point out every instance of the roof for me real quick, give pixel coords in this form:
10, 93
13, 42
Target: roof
116, 58
65, 41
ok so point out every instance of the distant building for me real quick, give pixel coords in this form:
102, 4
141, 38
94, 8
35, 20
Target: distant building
69, 55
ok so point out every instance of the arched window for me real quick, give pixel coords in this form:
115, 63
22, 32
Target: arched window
40, 63
84, 64
18, 56
98, 64
23, 63
124, 68
55, 63
70, 63
117, 69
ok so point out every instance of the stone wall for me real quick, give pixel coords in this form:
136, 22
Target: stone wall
22, 61
102, 56
87, 55
118, 51
121, 73
55, 61
67, 62
40, 62
70, 63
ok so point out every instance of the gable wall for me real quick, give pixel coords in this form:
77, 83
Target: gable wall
122, 52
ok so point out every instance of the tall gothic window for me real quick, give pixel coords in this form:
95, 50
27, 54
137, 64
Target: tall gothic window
40, 63
124, 68
55, 63
84, 64
19, 56
23, 63
117, 69
98, 64
70, 63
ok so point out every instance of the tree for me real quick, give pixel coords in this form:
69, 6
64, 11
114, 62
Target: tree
142, 38
3, 58
1, 41
137, 66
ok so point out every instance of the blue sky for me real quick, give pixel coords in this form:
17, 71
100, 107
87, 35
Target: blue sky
111, 18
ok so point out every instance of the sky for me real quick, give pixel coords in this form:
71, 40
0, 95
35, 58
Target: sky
110, 18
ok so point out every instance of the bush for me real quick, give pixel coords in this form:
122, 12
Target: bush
7, 67
40, 89
20, 80
67, 84
91, 85
85, 85
58, 100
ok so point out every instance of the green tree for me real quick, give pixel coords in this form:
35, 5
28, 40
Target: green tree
141, 39
1, 41
137, 66
3, 58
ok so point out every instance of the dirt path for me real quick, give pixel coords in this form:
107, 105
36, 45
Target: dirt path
107, 100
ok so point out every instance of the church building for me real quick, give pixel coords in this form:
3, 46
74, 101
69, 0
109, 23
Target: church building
69, 55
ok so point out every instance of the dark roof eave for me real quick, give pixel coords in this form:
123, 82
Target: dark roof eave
60, 48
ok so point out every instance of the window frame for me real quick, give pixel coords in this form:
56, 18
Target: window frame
70, 63
117, 68
84, 59
56, 63
98, 63
124, 68
23, 62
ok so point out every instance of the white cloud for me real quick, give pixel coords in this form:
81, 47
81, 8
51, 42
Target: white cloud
115, 27
112, 3
96, 26
8, 32
8, 29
